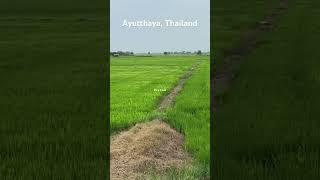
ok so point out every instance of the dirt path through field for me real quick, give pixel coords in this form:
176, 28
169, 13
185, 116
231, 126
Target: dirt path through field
152, 146
170, 98
224, 76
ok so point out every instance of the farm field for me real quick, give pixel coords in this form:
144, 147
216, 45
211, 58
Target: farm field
53, 73
232, 20
133, 100
191, 113
191, 116
267, 126
138, 83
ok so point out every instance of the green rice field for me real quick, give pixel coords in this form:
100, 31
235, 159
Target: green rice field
138, 83
134, 99
267, 126
53, 74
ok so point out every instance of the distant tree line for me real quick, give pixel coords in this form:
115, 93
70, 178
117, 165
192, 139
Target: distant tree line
183, 52
128, 53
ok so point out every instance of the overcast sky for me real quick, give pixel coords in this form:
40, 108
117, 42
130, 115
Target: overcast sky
145, 39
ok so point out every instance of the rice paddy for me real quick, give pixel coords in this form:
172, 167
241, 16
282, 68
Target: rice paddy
267, 124
138, 85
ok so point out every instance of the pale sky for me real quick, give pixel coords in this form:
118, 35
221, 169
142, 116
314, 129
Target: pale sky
145, 39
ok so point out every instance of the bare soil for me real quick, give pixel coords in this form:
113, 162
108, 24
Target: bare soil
170, 98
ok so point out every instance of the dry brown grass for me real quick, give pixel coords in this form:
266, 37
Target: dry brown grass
148, 146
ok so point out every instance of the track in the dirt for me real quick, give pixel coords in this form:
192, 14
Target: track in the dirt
225, 75
149, 145
170, 98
